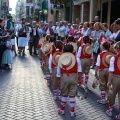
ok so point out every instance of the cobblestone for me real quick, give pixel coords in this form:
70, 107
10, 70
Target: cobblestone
24, 95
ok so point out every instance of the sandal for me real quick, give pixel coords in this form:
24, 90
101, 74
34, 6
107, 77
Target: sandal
60, 111
101, 101
73, 115
109, 113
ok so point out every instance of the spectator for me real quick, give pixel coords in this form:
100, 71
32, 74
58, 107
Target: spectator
62, 29
95, 35
117, 23
97, 19
3, 41
85, 31
114, 33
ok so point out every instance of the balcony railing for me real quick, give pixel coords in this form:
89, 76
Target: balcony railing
38, 6
57, 1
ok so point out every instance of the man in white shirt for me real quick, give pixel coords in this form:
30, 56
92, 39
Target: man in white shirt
62, 30
66, 28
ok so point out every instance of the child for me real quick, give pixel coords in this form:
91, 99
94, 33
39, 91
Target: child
85, 58
114, 79
7, 55
103, 71
43, 56
64, 41
71, 41
53, 68
69, 68
41, 41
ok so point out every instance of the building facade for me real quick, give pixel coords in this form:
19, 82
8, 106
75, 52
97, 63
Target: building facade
4, 9
20, 9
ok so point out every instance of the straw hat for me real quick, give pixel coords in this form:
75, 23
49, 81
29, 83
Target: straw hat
55, 57
74, 45
118, 63
41, 41
106, 58
67, 60
87, 49
47, 48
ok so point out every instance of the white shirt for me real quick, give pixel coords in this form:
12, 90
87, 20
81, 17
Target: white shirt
111, 67
98, 59
50, 63
34, 31
8, 44
54, 29
20, 26
113, 35
66, 30
16, 30
57, 29
48, 31
79, 52
79, 69
85, 32
62, 31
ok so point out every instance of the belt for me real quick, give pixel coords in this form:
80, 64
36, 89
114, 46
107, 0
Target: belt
116, 75
104, 69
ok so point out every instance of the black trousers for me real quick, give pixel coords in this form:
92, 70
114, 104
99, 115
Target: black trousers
33, 44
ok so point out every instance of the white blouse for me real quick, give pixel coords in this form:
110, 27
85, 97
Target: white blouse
111, 67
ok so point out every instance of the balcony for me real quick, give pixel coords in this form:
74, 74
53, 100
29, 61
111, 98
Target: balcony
57, 1
38, 6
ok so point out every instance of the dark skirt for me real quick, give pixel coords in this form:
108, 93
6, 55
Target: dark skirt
2, 49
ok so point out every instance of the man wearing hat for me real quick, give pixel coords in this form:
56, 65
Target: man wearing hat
68, 71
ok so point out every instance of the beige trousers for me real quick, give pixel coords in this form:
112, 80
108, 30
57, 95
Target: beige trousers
69, 84
116, 89
54, 80
85, 64
103, 79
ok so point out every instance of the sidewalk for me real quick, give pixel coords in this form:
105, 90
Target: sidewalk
24, 95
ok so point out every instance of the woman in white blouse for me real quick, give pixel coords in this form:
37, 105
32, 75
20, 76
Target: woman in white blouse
85, 31
114, 33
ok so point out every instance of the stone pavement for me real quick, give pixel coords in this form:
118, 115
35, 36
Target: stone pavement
24, 95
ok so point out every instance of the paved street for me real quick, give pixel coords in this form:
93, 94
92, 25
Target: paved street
24, 95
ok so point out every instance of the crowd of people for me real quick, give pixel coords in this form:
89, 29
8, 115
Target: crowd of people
67, 52
67, 57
